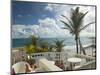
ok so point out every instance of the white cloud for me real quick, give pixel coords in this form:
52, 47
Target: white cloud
47, 22
18, 31
47, 28
48, 7
65, 10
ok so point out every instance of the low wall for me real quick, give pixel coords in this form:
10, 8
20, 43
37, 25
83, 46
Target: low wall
47, 65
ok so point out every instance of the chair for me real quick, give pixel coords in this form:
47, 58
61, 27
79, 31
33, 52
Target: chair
20, 67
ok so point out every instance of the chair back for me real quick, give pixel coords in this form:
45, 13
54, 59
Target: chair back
20, 67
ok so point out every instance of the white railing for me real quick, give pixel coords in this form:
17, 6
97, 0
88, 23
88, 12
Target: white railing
89, 65
90, 51
50, 55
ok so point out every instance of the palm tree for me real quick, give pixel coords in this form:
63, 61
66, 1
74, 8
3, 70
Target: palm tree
44, 46
34, 40
75, 24
59, 46
29, 48
51, 48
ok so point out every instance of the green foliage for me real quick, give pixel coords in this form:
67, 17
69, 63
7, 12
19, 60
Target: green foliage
51, 48
44, 45
30, 48
33, 47
34, 40
59, 45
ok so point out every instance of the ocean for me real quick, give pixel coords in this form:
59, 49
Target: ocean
69, 41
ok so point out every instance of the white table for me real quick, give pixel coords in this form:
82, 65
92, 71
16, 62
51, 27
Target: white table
73, 61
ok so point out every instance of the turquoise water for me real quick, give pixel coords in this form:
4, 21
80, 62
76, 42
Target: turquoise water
69, 41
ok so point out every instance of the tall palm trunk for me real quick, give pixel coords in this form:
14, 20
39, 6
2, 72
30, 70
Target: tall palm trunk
76, 39
81, 47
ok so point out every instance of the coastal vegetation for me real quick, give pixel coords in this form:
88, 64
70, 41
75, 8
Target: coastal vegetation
34, 47
43, 46
59, 45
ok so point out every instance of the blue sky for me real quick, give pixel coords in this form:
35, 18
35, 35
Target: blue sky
29, 12
43, 19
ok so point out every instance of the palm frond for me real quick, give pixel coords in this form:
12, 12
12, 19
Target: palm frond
67, 26
80, 18
77, 19
86, 26
77, 9
74, 18
64, 28
59, 43
84, 15
68, 20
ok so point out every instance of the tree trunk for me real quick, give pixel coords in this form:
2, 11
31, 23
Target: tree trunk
81, 48
80, 45
76, 38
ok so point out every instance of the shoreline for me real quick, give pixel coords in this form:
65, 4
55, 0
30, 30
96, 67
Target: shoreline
64, 48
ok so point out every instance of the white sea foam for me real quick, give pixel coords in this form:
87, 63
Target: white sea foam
72, 49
